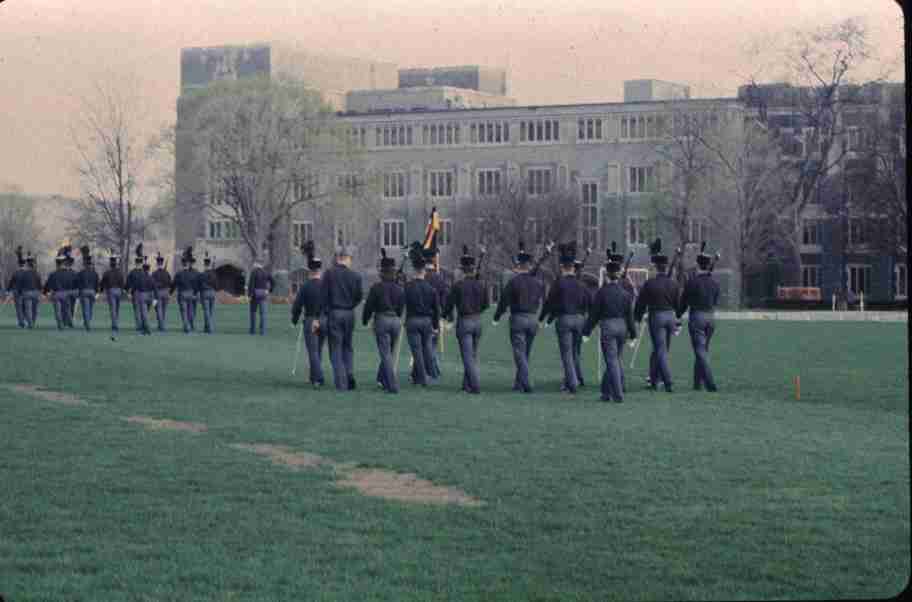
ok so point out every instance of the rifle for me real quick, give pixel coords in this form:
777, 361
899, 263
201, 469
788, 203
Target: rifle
716, 258
626, 266
676, 262
484, 251
400, 275
579, 274
545, 255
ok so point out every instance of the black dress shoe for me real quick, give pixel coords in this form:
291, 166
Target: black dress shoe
618, 401
669, 389
712, 389
352, 385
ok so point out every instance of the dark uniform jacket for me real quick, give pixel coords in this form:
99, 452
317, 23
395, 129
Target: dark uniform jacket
701, 293
309, 300
610, 302
385, 297
469, 297
87, 279
57, 281
522, 295
659, 294
421, 302
342, 289
439, 283
567, 297
185, 281
133, 280
206, 281
162, 279
30, 281
112, 278
259, 279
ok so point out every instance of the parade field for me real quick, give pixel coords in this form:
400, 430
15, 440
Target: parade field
175, 467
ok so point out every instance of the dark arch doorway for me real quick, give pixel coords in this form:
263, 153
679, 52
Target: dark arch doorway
230, 279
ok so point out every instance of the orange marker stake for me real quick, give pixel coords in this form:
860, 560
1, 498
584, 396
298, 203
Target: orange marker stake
797, 388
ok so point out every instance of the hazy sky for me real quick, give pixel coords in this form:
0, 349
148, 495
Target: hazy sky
556, 52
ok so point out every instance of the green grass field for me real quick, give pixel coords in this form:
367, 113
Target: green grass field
745, 494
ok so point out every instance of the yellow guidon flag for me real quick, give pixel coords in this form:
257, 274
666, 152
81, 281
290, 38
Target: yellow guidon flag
430, 233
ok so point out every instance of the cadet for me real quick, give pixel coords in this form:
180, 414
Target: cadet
259, 287
568, 301
342, 292
523, 295
206, 284
422, 319
185, 284
88, 286
578, 346
310, 301
132, 288
15, 288
612, 310
440, 286
660, 296
56, 289
72, 282
30, 291
385, 302
469, 297
701, 295
112, 283
163, 283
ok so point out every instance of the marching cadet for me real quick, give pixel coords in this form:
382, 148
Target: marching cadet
701, 295
15, 288
422, 319
568, 302
469, 298
660, 296
440, 286
342, 292
30, 291
185, 285
56, 288
88, 286
522, 295
385, 303
71, 281
259, 287
140, 287
612, 310
578, 345
206, 284
163, 283
112, 283
310, 301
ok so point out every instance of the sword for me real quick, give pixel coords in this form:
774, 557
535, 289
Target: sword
636, 348
598, 351
294, 367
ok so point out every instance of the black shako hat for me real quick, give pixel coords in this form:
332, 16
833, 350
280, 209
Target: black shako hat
655, 250
703, 259
86, 255
466, 261
159, 259
614, 260
139, 254
187, 258
416, 255
19, 258
522, 256
567, 253
309, 250
387, 264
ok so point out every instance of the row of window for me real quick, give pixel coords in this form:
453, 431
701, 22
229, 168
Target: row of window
859, 278
539, 130
812, 232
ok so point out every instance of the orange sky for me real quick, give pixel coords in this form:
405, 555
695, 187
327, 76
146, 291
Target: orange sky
557, 52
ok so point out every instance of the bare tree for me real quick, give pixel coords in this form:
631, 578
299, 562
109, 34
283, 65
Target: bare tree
110, 161
260, 145
18, 226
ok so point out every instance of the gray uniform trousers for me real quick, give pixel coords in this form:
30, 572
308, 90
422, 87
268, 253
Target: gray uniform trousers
162, 296
19, 302
433, 369
186, 301
207, 298
577, 354
61, 308
258, 304
701, 326
653, 360
569, 333
72, 299
468, 333
113, 296
140, 310
614, 334
341, 351
87, 304
314, 344
387, 330
418, 330
523, 328
30, 307
661, 329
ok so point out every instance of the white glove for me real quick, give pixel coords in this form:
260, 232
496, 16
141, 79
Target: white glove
547, 325
632, 343
493, 322
585, 339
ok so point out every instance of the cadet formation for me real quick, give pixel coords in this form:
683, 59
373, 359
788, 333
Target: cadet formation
415, 309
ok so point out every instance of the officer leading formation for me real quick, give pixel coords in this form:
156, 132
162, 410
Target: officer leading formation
415, 309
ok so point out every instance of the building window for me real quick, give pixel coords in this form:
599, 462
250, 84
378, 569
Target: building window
589, 215
440, 133
640, 127
348, 182
393, 233
810, 275
489, 182
215, 230
853, 139
636, 230
301, 232
394, 135
445, 236
305, 188
859, 278
224, 230
441, 183
641, 179
856, 231
902, 281
812, 232
697, 230
539, 181
589, 129
536, 229
542, 130
394, 185
490, 132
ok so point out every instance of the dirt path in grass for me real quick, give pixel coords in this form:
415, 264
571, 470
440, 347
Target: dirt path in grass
47, 394
157, 424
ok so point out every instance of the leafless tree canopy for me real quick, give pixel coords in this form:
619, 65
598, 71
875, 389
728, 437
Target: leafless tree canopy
18, 226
